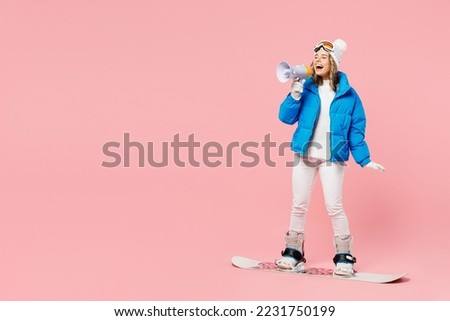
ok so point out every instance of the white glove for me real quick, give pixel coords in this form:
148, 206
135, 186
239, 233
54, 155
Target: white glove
375, 166
297, 88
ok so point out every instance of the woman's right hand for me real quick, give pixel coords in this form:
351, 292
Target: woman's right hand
297, 88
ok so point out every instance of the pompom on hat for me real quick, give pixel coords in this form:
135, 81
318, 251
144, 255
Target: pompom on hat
335, 49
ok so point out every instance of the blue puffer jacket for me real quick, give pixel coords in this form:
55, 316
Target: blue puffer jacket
347, 121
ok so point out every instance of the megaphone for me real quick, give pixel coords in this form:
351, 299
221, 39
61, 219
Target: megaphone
285, 72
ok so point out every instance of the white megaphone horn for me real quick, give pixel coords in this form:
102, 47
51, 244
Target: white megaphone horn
285, 72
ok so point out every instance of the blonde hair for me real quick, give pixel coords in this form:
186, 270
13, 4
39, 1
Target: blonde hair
334, 75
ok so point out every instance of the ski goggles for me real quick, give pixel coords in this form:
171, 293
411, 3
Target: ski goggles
326, 45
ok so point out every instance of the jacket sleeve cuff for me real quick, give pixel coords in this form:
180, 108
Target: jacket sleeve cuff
290, 95
365, 162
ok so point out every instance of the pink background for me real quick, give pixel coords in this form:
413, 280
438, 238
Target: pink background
77, 74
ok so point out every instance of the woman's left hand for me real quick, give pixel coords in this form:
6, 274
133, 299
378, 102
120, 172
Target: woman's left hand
375, 166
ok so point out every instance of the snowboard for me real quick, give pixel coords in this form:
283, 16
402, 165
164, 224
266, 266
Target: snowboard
250, 264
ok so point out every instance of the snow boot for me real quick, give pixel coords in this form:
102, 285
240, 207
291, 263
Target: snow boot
293, 255
344, 260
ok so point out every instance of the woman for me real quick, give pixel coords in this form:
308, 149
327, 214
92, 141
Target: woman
331, 122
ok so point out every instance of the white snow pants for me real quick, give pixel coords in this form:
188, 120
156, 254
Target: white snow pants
331, 176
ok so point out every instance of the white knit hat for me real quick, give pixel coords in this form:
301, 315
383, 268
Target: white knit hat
339, 46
